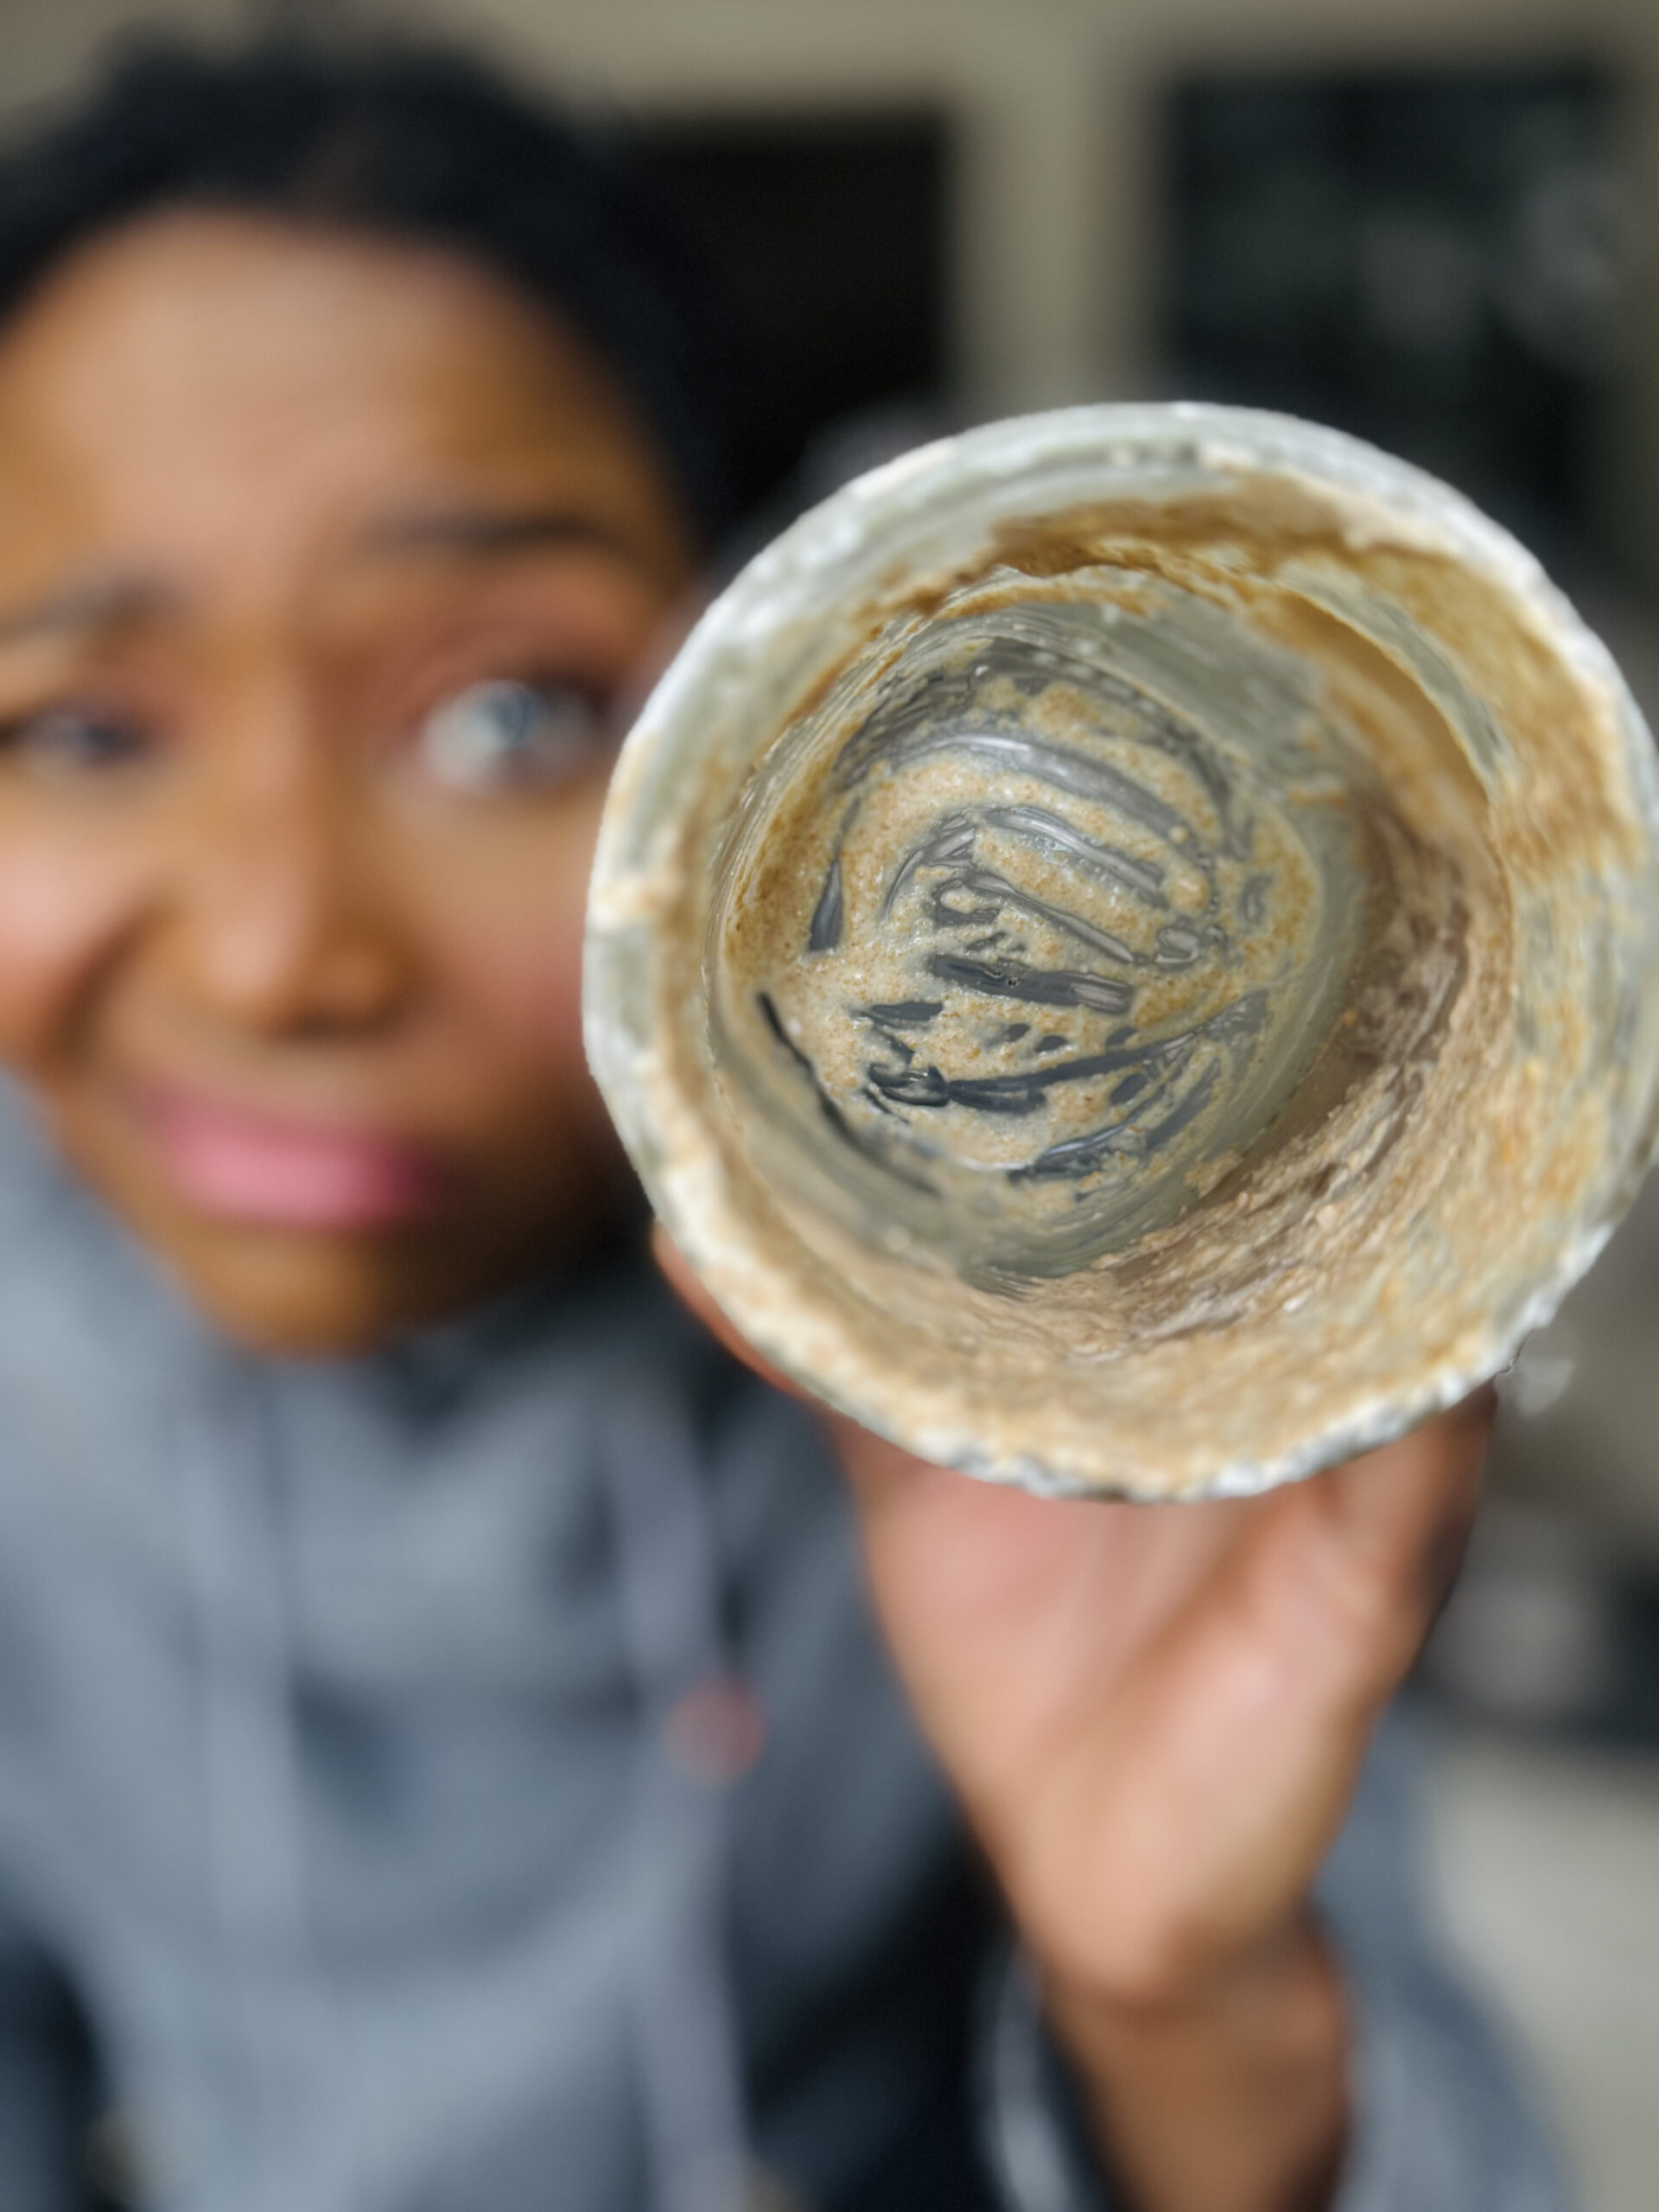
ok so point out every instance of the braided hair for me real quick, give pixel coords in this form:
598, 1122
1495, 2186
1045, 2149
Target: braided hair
413, 141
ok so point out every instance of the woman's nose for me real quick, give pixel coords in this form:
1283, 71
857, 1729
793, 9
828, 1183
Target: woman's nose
286, 927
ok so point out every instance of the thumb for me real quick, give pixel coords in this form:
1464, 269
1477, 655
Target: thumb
695, 1295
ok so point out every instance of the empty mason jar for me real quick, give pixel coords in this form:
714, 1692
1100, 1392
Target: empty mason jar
1121, 948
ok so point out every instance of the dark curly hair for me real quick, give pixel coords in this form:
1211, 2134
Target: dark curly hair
416, 141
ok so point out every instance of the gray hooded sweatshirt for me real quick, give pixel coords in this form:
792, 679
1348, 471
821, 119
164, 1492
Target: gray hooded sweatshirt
466, 1780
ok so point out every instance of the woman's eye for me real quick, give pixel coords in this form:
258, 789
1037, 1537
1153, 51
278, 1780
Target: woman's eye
65, 742
505, 735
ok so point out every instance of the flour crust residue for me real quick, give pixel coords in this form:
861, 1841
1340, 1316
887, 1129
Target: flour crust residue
1165, 1001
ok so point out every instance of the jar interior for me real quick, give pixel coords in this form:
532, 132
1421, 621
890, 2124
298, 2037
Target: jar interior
1024, 938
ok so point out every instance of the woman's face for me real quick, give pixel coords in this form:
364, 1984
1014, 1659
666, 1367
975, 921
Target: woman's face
324, 566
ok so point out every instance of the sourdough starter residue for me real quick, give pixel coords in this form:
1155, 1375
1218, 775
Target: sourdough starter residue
1029, 939
1155, 994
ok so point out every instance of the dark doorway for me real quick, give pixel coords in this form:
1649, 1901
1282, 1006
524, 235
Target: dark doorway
834, 227
1435, 261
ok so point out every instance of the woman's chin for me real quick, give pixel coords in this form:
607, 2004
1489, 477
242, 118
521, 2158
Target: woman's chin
299, 1295
303, 1248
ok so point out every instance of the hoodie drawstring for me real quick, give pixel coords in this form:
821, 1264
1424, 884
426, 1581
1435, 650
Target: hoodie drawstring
683, 2015
251, 1762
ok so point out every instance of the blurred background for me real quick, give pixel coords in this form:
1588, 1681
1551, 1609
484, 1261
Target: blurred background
1438, 227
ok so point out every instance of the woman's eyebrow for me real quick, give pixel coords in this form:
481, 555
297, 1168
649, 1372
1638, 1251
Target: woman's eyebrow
110, 602
483, 532
91, 603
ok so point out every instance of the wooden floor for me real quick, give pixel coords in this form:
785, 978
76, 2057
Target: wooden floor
1547, 1859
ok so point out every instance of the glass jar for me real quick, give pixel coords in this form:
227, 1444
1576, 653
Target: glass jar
1121, 948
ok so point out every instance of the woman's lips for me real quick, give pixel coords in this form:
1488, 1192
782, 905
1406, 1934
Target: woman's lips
255, 1167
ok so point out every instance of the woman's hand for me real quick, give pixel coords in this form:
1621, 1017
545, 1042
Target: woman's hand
1155, 1717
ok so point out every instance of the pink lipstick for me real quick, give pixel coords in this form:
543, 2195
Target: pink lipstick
290, 1174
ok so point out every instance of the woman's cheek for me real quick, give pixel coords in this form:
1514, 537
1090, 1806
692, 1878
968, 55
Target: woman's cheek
64, 910
522, 938
526, 988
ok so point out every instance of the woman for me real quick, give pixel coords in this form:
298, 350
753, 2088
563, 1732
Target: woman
445, 1756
